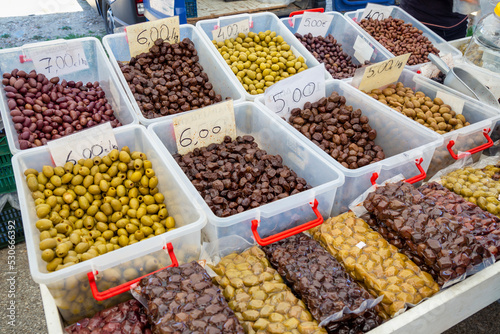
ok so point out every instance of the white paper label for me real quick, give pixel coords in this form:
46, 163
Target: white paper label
316, 24
456, 103
231, 31
204, 126
58, 59
376, 12
295, 91
360, 245
95, 141
362, 50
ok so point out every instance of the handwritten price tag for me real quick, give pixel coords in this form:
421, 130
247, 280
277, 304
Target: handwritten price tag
317, 24
93, 142
59, 59
205, 126
142, 36
231, 31
376, 12
383, 73
294, 92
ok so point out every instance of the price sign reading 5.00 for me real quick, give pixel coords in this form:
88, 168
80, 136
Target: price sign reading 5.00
230, 31
383, 73
59, 59
294, 92
204, 126
316, 24
97, 141
141, 37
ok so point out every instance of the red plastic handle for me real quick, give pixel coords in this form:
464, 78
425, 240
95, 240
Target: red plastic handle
411, 180
290, 232
298, 12
488, 144
100, 296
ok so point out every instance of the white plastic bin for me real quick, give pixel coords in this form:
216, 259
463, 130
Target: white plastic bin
70, 286
402, 142
398, 13
99, 70
259, 22
346, 34
470, 138
271, 135
224, 83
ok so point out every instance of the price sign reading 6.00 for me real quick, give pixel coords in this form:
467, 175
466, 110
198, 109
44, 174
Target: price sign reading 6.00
58, 59
204, 126
294, 92
141, 37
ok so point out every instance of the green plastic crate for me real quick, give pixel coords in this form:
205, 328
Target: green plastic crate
7, 181
10, 217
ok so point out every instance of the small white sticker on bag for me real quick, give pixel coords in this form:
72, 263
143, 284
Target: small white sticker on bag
360, 245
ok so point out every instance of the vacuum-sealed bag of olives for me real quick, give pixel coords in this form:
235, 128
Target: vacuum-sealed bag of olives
375, 263
125, 318
106, 217
259, 297
332, 296
432, 238
184, 299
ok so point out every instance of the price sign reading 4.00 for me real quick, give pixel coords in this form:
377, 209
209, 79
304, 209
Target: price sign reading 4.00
141, 37
316, 24
58, 59
204, 126
383, 73
97, 141
294, 92
230, 31
376, 12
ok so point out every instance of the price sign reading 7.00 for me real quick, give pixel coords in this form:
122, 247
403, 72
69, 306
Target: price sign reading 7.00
383, 73
58, 59
294, 92
141, 37
204, 126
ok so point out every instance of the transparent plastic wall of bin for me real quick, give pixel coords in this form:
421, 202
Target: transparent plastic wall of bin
399, 13
474, 138
70, 286
258, 22
346, 35
99, 70
273, 136
224, 83
403, 144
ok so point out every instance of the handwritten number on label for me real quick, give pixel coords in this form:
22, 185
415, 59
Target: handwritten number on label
297, 95
375, 15
62, 62
92, 152
231, 31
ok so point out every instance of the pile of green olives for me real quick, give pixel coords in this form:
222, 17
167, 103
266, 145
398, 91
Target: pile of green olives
96, 206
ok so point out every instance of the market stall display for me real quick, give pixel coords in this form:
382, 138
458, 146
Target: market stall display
375, 263
259, 297
152, 96
36, 108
